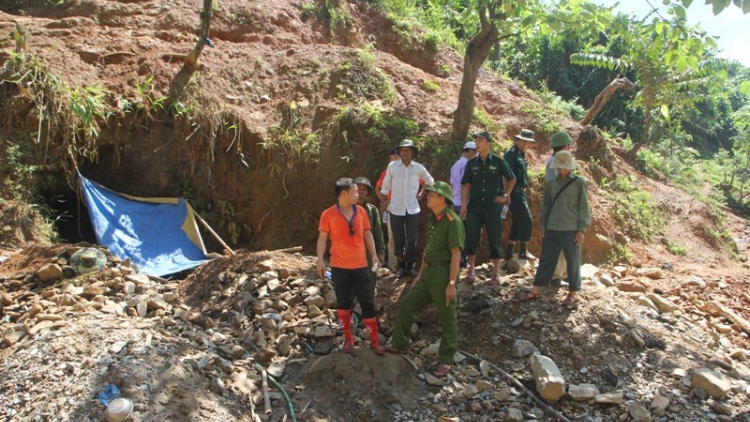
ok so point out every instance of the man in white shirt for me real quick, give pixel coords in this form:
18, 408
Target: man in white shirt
457, 173
402, 182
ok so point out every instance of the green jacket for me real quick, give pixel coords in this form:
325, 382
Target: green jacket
570, 211
516, 159
373, 213
445, 231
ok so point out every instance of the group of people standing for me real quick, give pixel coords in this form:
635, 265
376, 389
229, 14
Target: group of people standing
482, 183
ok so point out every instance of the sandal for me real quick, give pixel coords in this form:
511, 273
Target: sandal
471, 275
442, 370
528, 297
570, 301
495, 279
391, 349
348, 346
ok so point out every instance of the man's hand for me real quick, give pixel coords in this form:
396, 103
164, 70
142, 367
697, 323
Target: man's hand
450, 293
580, 237
321, 269
502, 200
463, 212
384, 205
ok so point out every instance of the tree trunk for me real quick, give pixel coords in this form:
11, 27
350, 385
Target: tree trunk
603, 98
476, 53
191, 60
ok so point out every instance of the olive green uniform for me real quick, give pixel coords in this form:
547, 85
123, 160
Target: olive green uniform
445, 231
373, 213
521, 228
486, 180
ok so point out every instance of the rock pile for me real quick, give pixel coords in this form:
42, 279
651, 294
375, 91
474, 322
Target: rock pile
248, 337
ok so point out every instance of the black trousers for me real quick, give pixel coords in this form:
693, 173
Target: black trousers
345, 281
405, 230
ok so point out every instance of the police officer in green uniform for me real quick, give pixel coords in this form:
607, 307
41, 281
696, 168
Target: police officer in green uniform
520, 229
436, 281
487, 179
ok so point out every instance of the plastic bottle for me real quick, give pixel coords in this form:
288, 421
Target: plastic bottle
504, 214
385, 217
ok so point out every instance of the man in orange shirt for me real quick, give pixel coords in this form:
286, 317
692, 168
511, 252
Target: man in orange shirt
347, 226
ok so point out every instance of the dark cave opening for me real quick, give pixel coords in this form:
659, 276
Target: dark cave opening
71, 217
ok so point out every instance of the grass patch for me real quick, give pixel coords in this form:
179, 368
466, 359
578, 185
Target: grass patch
430, 86
633, 209
359, 79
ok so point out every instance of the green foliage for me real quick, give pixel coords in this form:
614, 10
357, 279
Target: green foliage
560, 106
622, 253
674, 248
89, 106
360, 79
633, 210
599, 60
429, 24
430, 86
335, 15
486, 122
545, 119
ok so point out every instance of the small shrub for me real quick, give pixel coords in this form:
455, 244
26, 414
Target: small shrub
430, 86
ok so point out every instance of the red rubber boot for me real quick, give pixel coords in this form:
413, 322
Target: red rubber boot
345, 319
372, 325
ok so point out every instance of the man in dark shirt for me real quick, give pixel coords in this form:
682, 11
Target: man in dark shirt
521, 227
486, 180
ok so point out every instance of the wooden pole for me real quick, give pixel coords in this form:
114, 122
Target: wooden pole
210, 230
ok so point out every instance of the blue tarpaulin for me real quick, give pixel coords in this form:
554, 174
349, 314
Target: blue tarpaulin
159, 235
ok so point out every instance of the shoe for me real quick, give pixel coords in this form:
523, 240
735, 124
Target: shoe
378, 349
400, 272
442, 370
471, 275
411, 272
391, 349
348, 346
570, 301
528, 297
527, 256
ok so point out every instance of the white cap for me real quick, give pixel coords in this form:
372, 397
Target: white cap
470, 145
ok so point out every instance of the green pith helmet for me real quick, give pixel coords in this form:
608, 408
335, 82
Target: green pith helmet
560, 139
485, 135
442, 188
87, 260
363, 181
